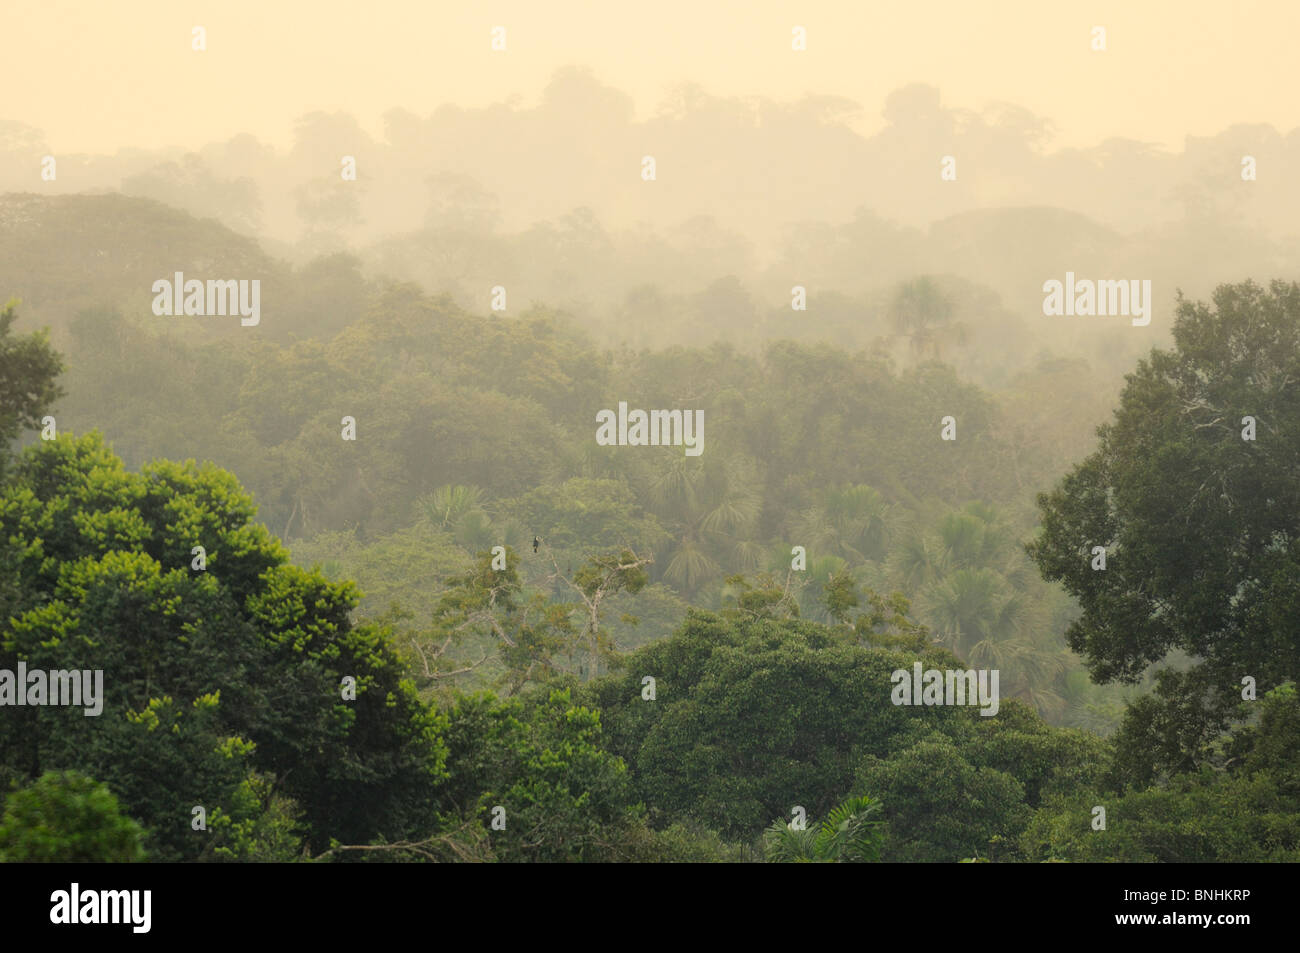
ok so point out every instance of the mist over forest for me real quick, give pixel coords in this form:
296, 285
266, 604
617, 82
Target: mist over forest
398, 486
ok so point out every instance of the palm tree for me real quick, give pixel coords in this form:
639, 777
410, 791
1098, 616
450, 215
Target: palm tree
713, 507
445, 506
851, 834
853, 522
980, 618
972, 606
460, 511
920, 311
919, 561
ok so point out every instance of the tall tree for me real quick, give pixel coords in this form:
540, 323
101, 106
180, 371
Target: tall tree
522, 630
1192, 494
595, 581
28, 368
921, 312
230, 655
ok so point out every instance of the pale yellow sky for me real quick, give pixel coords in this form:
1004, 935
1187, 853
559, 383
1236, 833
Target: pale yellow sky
98, 75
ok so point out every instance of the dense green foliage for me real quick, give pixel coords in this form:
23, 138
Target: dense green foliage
497, 641
209, 675
1193, 493
475, 432
850, 834
67, 818
28, 368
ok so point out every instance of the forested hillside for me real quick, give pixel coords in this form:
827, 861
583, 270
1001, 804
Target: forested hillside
363, 583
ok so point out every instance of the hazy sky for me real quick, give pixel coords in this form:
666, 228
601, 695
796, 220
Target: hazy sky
96, 76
